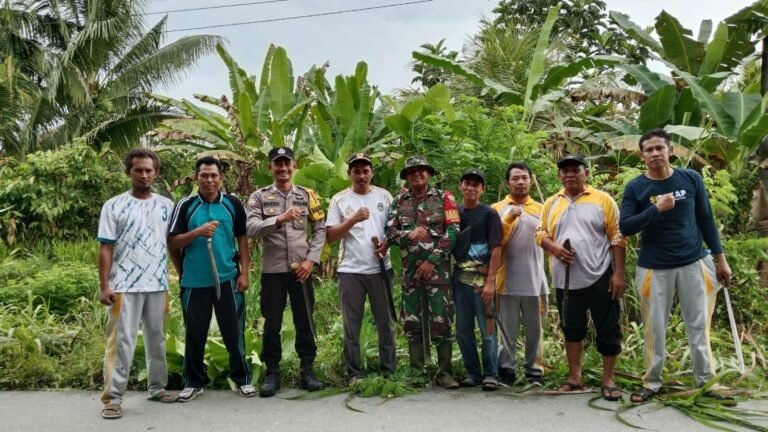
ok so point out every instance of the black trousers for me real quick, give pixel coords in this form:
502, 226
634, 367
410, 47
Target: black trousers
603, 309
276, 288
198, 305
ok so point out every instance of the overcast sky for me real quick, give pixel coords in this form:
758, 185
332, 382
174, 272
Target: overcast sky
384, 38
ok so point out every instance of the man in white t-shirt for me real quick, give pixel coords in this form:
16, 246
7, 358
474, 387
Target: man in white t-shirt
355, 216
133, 279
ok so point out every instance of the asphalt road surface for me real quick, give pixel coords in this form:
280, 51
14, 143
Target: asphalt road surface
430, 410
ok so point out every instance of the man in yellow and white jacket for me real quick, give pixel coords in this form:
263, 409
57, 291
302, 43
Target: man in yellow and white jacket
589, 218
520, 283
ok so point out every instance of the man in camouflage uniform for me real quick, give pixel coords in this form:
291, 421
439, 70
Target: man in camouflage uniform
423, 222
280, 215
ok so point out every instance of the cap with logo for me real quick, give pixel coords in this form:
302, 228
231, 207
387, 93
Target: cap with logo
280, 152
473, 172
572, 159
417, 161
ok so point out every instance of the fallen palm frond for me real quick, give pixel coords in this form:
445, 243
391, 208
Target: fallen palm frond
328, 392
373, 386
711, 405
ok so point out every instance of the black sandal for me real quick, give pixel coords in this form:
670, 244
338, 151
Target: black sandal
609, 393
643, 395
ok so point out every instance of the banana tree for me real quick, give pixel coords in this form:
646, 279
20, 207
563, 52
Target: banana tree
346, 117
263, 113
728, 124
544, 81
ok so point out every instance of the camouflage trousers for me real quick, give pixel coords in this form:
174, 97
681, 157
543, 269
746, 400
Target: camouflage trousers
439, 310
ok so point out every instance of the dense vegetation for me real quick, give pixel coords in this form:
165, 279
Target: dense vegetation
514, 93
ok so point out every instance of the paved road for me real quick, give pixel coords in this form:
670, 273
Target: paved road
430, 410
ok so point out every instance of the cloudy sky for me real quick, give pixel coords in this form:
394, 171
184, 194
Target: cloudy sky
384, 38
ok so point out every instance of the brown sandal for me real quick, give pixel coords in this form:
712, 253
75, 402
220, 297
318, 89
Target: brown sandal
567, 387
111, 412
643, 395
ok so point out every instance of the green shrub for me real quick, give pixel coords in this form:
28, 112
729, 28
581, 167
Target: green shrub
60, 287
56, 194
747, 292
84, 252
40, 349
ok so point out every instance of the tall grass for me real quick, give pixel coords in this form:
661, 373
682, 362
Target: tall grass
50, 342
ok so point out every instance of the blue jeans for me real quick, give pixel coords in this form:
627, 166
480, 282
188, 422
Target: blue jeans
470, 309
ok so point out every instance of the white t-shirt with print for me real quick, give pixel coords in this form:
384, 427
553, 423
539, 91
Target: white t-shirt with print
356, 251
138, 231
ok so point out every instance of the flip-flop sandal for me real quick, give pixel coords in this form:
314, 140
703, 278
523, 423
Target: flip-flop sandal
567, 387
164, 397
642, 395
112, 412
608, 393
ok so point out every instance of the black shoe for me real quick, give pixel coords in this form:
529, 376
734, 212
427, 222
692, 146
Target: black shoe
507, 377
309, 382
535, 379
469, 382
270, 386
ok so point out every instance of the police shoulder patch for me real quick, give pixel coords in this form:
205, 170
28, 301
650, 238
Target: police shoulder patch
316, 211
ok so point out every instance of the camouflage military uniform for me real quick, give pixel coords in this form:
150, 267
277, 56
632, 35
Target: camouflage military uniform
436, 211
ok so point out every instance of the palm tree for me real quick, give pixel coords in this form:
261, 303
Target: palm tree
426, 74
101, 63
502, 52
30, 33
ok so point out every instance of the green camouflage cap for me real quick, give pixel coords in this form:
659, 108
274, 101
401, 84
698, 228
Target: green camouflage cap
417, 161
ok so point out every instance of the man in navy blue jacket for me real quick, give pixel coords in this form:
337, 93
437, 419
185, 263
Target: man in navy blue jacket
669, 206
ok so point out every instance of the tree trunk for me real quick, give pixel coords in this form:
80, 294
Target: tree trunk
760, 198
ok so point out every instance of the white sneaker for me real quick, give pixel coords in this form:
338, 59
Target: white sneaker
189, 393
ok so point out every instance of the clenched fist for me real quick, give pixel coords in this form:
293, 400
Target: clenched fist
208, 229
666, 202
292, 214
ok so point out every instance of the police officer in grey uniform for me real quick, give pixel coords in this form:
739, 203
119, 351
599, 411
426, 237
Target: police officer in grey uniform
280, 215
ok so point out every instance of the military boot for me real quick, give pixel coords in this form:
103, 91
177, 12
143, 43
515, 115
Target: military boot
309, 381
416, 355
270, 386
444, 377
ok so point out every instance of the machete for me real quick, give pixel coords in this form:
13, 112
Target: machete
734, 330
214, 270
423, 303
566, 288
305, 291
505, 341
387, 282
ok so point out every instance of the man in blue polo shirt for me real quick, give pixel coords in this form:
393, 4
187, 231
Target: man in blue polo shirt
671, 209
220, 217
